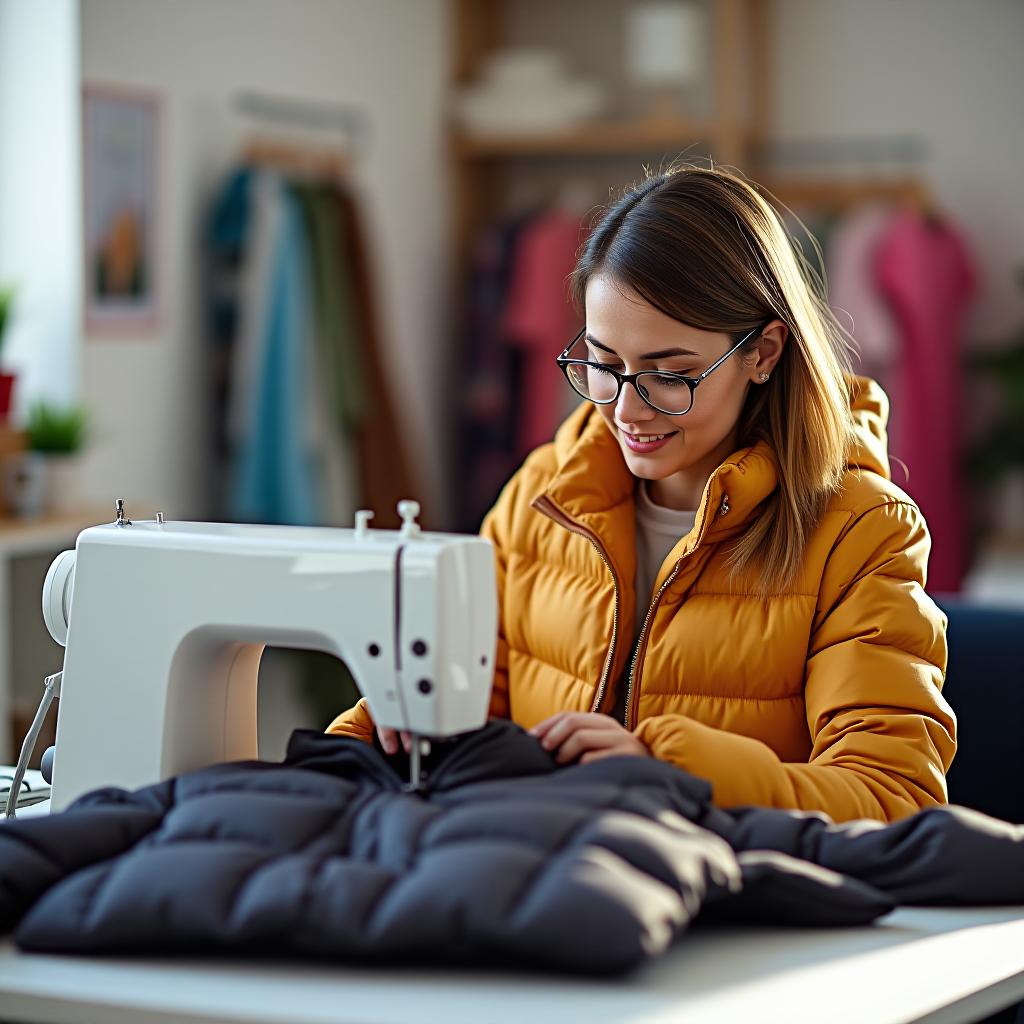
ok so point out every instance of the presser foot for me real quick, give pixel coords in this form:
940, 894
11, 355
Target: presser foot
418, 747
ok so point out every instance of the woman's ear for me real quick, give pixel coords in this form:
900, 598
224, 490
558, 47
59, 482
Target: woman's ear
769, 351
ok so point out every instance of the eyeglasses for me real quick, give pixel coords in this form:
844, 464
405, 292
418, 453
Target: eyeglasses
669, 393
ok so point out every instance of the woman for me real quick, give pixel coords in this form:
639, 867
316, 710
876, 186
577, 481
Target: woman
742, 596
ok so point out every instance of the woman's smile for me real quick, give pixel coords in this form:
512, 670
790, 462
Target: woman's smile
642, 444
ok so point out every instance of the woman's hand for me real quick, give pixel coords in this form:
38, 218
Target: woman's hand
389, 739
588, 736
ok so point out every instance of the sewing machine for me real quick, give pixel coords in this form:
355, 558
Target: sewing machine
164, 624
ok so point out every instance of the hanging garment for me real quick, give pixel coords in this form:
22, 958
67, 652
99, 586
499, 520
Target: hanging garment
364, 464
336, 388
227, 259
925, 271
539, 318
385, 463
490, 398
344, 348
274, 478
265, 215
858, 303
262, 323
779, 701
505, 858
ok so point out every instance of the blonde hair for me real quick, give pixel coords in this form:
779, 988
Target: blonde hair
703, 245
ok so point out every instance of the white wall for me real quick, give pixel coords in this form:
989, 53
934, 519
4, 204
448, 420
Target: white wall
388, 58
40, 196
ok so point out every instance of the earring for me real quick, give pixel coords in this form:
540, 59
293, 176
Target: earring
763, 376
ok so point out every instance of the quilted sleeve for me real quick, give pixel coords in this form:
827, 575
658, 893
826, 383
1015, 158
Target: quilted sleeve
883, 736
496, 527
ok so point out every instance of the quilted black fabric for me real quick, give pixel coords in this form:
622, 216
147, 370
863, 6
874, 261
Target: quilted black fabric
504, 858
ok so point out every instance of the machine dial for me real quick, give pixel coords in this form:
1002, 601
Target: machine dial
57, 592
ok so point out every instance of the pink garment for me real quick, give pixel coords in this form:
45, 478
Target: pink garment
853, 295
925, 270
539, 318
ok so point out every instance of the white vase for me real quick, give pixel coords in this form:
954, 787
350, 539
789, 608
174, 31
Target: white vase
63, 485
25, 480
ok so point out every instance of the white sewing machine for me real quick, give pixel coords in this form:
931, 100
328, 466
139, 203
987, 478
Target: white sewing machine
165, 623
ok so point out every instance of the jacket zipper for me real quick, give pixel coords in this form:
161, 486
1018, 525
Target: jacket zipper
641, 644
549, 508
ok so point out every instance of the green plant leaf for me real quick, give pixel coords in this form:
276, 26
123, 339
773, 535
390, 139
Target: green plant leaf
55, 430
6, 305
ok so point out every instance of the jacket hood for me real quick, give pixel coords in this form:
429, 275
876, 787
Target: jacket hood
870, 406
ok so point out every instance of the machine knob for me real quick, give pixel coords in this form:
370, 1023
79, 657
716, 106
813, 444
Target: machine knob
46, 765
57, 591
409, 510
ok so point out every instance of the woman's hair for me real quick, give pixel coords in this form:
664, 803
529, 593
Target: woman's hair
704, 247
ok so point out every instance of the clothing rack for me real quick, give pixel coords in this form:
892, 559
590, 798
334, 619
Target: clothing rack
902, 150
844, 195
298, 160
304, 158
841, 173
352, 122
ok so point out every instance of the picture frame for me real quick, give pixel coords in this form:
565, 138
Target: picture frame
121, 143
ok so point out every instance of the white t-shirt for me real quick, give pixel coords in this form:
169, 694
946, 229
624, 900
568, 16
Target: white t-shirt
657, 531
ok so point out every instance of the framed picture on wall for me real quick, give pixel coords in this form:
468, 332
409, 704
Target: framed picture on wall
120, 137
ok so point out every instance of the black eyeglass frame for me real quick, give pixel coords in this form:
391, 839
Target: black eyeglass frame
564, 362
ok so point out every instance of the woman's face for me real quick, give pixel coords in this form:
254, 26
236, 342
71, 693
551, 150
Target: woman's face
622, 329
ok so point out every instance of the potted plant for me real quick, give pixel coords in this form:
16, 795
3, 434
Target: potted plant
45, 478
996, 460
6, 379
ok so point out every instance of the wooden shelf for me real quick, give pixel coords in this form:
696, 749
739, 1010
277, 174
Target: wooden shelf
737, 31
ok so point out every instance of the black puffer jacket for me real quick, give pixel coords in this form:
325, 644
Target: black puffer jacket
505, 857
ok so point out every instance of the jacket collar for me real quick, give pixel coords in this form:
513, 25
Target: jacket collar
594, 487
593, 480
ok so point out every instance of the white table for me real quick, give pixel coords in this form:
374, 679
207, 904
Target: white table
916, 964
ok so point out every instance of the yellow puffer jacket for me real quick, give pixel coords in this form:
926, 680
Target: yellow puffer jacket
826, 698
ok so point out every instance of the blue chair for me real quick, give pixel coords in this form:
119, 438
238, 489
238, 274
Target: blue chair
985, 687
